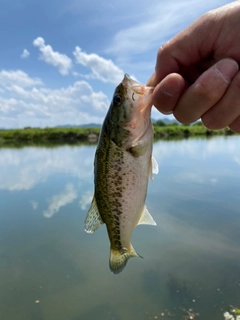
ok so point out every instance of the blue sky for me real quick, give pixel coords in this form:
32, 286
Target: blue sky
60, 60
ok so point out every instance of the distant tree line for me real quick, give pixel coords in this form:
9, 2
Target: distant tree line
73, 135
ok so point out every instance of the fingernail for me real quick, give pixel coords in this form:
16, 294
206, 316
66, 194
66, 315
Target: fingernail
226, 68
167, 112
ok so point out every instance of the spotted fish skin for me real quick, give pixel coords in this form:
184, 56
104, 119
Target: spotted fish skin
123, 162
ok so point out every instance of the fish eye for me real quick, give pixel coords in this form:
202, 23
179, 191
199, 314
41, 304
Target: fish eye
117, 99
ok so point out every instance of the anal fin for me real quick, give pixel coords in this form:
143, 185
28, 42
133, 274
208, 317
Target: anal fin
146, 218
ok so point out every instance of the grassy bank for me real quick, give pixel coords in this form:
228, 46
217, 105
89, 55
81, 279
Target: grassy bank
85, 135
49, 135
184, 131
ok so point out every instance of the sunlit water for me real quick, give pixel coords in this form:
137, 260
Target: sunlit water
50, 269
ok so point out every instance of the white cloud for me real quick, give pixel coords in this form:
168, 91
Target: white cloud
17, 77
24, 103
59, 60
60, 200
102, 69
25, 54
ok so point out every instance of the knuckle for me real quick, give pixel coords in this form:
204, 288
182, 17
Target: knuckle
227, 108
163, 50
204, 91
163, 104
234, 128
184, 118
206, 123
211, 122
235, 125
160, 51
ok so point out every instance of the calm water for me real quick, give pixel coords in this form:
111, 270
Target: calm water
50, 269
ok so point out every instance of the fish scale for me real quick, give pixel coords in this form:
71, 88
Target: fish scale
123, 163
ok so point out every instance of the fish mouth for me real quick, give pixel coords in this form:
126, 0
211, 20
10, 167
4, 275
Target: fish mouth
140, 98
139, 92
135, 86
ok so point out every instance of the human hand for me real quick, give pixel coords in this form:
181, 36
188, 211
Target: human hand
197, 72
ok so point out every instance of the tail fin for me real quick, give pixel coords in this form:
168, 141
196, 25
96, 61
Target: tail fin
119, 259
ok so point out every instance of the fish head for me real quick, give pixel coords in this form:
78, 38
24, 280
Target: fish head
129, 112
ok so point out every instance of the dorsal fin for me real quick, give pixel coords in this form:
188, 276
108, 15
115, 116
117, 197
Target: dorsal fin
146, 218
93, 220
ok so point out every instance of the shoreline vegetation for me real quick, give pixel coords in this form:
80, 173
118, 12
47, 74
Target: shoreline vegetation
85, 135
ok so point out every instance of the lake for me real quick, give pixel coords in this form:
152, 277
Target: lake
51, 269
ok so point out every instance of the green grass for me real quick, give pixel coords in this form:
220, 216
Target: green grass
183, 131
52, 135
56, 136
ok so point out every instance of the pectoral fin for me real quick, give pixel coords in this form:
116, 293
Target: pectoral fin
138, 150
146, 218
153, 168
93, 220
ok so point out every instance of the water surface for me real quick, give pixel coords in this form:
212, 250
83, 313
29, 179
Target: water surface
52, 270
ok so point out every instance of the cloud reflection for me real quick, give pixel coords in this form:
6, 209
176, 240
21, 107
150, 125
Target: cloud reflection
209, 241
86, 199
194, 177
60, 200
199, 148
201, 161
23, 169
34, 205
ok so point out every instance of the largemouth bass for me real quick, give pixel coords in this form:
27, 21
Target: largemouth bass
123, 162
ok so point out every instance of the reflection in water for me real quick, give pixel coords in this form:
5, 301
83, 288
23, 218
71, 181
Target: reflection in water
86, 199
34, 205
23, 169
192, 257
200, 148
60, 200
